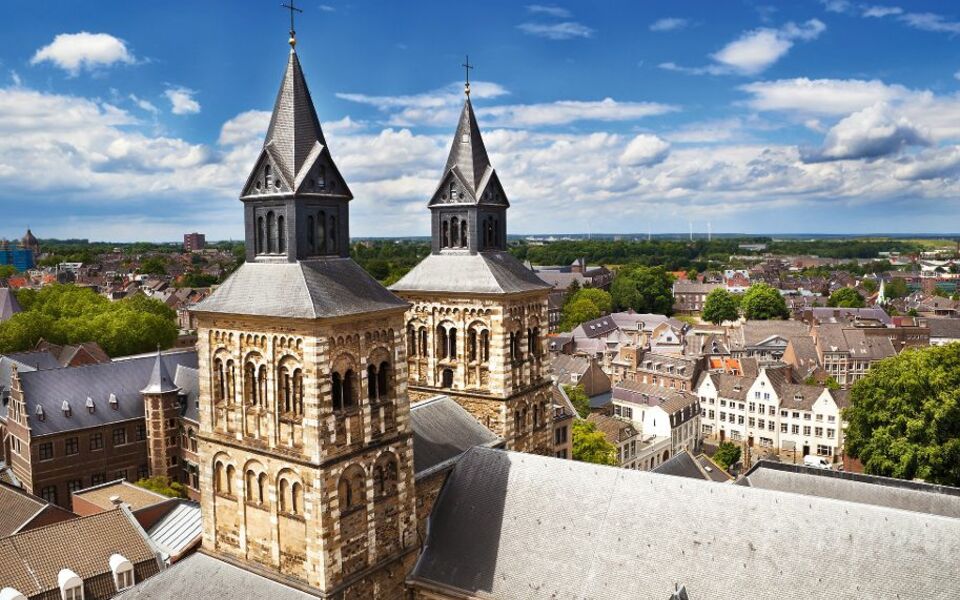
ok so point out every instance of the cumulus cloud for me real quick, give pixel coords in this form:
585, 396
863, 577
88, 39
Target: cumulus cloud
870, 133
644, 150
144, 105
182, 101
74, 52
938, 163
821, 96
669, 24
557, 31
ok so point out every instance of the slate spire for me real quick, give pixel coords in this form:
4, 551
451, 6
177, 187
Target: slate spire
160, 380
468, 153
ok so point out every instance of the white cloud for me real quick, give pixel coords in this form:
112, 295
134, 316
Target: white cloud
644, 150
821, 96
931, 22
836, 6
327, 8
144, 105
553, 11
557, 31
706, 132
74, 52
870, 133
757, 50
938, 163
878, 12
182, 101
669, 24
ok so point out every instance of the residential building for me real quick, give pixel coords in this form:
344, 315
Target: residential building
623, 436
21, 511
660, 413
581, 371
846, 354
564, 414
194, 242
765, 340
562, 277
943, 330
736, 281
664, 370
769, 411
689, 296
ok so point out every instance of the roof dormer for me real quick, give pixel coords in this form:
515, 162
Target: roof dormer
123, 576
71, 585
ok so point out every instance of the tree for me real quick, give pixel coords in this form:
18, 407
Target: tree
164, 486
903, 419
577, 312
643, 289
7, 271
579, 399
600, 298
154, 265
719, 306
897, 288
727, 455
869, 284
762, 302
590, 445
846, 298
572, 289
940, 292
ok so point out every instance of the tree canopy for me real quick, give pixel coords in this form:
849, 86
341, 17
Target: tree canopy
897, 288
164, 486
720, 306
578, 396
727, 455
584, 305
590, 445
762, 302
846, 298
67, 314
643, 289
903, 419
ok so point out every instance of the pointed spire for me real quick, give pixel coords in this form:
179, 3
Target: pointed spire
468, 154
160, 380
294, 127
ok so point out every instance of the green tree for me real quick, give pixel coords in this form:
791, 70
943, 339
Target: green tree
600, 298
578, 396
572, 290
590, 445
869, 284
897, 288
940, 292
643, 289
903, 419
719, 306
762, 302
154, 265
846, 298
727, 455
164, 486
7, 271
577, 312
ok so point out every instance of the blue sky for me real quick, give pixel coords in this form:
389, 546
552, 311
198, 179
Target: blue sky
132, 121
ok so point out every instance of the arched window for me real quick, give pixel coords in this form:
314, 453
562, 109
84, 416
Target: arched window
472, 344
454, 232
411, 340
453, 343
219, 389
333, 234
536, 347
262, 488
536, 415
337, 391
271, 233
463, 233
383, 381
262, 386
218, 477
192, 437
298, 392
453, 190
267, 177
385, 476
442, 347
296, 498
517, 422
311, 233
372, 383
231, 383
231, 474
286, 390
251, 487
484, 345
447, 378
322, 232
445, 234
423, 341
322, 177
352, 489
348, 380
260, 235
282, 495
281, 236
250, 388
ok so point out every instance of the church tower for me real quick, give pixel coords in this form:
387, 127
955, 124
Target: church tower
305, 440
479, 317
162, 412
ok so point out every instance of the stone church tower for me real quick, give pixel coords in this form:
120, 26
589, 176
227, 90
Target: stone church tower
479, 317
305, 444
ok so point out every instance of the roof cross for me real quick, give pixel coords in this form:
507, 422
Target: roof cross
467, 67
293, 32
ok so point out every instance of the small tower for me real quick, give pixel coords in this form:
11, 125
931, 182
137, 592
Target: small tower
160, 401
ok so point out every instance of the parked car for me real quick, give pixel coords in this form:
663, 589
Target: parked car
817, 462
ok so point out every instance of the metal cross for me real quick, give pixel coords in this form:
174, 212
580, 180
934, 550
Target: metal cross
290, 6
467, 67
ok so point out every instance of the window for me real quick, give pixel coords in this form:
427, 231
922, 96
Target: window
770, 425
784, 414
723, 416
71, 445
818, 431
752, 422
806, 430
74, 485
806, 416
98, 478
824, 450
711, 414
771, 410
143, 472
627, 412
795, 429
761, 423
122, 572
49, 493
831, 419
119, 436
141, 432
831, 433
723, 402
121, 474
753, 407
45, 451
739, 419
766, 395
96, 441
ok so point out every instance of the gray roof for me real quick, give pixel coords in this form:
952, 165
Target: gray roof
469, 161
178, 530
8, 304
203, 576
752, 333
160, 380
648, 394
326, 287
123, 378
442, 431
188, 380
510, 525
850, 315
832, 337
855, 487
481, 273
947, 328
682, 464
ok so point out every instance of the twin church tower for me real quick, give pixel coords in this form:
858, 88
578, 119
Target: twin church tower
308, 365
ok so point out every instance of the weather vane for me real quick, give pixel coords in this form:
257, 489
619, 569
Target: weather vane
293, 32
467, 67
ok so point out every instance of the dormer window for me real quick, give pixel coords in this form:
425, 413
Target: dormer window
39, 413
267, 176
9, 593
122, 572
91, 407
453, 190
71, 586
65, 407
114, 404
322, 177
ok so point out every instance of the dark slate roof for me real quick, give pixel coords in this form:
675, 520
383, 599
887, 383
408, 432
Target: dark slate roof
647, 394
599, 326
481, 273
468, 158
327, 287
123, 377
188, 380
682, 464
8, 304
509, 525
160, 381
442, 431
946, 327
202, 576
855, 487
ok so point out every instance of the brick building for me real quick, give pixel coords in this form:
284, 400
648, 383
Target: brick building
194, 242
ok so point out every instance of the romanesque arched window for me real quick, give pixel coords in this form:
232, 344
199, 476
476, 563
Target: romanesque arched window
383, 381
442, 347
281, 236
518, 424
231, 382
219, 381
336, 384
298, 392
444, 234
271, 233
411, 340
282, 492
349, 380
321, 231
463, 233
452, 335
311, 234
260, 235
250, 388
454, 232
351, 490
385, 476
262, 489
332, 237
536, 416
484, 346
372, 383
423, 341
536, 345
472, 345
231, 474
296, 498
262, 386
219, 476
453, 190
251, 486
286, 390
